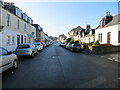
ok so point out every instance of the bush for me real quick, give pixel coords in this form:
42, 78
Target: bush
96, 43
68, 40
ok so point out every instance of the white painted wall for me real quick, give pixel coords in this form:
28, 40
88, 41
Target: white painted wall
114, 34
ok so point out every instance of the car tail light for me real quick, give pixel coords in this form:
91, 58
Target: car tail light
28, 46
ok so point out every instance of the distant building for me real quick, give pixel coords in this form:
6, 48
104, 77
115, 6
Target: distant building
62, 38
47, 39
40, 35
82, 35
17, 27
74, 33
87, 35
108, 31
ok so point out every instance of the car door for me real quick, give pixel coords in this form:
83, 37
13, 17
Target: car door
6, 60
34, 48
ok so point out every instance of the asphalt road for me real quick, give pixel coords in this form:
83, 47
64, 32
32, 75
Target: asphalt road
57, 67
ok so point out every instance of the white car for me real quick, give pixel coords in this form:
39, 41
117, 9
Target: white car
7, 60
39, 45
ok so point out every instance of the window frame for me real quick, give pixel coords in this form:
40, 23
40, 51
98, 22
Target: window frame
8, 19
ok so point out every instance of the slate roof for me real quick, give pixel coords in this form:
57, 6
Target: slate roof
114, 21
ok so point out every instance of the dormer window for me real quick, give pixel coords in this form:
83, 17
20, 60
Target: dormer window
102, 23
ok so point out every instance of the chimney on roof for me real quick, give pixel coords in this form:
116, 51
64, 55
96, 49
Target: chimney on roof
88, 28
12, 4
108, 13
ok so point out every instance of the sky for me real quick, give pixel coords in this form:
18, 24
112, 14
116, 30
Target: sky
60, 17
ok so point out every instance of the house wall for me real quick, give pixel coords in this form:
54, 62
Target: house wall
114, 34
89, 39
13, 30
42, 36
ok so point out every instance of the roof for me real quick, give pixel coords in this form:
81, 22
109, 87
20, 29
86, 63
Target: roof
114, 21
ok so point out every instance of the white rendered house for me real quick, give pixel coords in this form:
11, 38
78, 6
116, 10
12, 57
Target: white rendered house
16, 30
108, 32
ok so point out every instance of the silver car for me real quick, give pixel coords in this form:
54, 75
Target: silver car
7, 60
68, 45
27, 49
38, 45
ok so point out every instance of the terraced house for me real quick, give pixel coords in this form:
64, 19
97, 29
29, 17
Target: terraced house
80, 34
108, 32
17, 27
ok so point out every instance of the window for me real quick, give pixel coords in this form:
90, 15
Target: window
13, 40
18, 12
89, 40
100, 37
24, 39
18, 24
119, 37
8, 40
8, 20
4, 52
25, 27
18, 39
21, 38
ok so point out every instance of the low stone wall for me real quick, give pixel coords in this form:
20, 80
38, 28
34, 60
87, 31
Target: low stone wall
103, 49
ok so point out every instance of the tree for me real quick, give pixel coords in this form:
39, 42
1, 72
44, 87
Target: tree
68, 40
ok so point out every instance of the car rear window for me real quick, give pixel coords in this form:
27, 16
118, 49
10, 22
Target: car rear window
77, 44
23, 46
37, 44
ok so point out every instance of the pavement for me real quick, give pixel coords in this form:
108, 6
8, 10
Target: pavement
113, 56
57, 67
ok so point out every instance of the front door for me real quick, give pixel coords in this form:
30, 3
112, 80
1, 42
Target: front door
108, 37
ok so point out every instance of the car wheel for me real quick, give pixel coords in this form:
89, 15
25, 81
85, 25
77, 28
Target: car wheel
37, 52
32, 55
15, 64
81, 51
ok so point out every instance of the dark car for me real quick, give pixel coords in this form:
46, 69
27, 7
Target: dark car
75, 47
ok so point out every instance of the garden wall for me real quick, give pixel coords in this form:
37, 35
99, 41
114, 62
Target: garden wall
103, 49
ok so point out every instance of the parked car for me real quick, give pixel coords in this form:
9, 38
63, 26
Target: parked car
68, 45
7, 60
63, 44
39, 45
27, 49
44, 44
75, 47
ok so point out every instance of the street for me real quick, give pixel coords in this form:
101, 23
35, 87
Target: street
57, 67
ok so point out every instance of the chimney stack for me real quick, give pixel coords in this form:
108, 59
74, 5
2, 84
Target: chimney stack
108, 13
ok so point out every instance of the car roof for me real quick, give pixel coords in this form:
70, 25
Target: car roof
26, 43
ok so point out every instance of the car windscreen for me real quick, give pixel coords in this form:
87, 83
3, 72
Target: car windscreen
23, 46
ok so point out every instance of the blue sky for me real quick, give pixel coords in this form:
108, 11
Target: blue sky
60, 17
